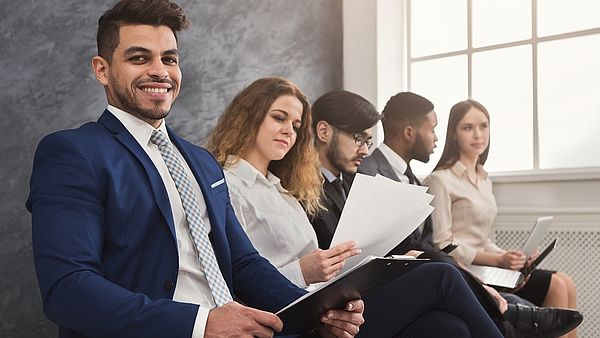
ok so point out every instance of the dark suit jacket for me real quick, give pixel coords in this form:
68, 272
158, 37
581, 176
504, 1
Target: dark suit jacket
376, 163
326, 222
104, 240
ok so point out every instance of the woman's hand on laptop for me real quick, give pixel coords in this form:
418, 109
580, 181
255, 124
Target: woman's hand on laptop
533, 257
511, 259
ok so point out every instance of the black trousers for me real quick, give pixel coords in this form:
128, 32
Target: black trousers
432, 300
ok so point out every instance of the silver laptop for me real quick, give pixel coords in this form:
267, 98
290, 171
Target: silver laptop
509, 278
537, 234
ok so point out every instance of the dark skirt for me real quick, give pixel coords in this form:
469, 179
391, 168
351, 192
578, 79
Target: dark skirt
537, 286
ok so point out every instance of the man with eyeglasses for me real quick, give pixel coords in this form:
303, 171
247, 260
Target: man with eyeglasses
343, 124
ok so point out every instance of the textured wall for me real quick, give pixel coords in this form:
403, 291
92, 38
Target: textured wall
47, 85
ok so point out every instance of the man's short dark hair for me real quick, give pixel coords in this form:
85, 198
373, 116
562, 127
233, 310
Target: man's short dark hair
344, 110
404, 109
137, 12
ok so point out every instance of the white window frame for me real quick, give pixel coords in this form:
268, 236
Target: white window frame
376, 36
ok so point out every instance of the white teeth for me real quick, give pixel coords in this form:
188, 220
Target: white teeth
155, 90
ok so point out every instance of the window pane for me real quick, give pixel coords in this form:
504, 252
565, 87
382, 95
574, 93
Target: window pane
569, 102
490, 21
560, 16
444, 82
502, 82
437, 26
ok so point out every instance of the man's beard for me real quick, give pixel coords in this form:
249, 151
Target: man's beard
131, 105
419, 152
335, 156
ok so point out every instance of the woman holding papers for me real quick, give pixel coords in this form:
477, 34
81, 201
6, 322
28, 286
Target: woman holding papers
465, 207
264, 142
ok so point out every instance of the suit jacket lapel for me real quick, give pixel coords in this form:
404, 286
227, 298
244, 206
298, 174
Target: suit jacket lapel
333, 195
217, 234
158, 188
185, 150
383, 165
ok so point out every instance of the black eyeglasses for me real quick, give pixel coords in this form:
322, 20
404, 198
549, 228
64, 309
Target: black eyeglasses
361, 140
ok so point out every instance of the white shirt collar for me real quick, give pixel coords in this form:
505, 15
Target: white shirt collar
329, 176
249, 174
140, 130
396, 161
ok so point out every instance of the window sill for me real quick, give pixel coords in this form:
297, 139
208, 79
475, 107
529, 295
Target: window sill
546, 175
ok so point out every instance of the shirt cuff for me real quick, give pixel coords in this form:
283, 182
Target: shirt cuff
293, 272
200, 324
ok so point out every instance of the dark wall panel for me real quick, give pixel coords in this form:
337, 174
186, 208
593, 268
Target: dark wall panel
47, 85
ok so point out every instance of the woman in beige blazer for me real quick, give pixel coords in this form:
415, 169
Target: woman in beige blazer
465, 208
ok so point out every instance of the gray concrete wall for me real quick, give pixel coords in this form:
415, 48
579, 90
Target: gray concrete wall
47, 85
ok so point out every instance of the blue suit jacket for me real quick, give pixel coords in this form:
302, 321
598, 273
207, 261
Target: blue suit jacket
104, 240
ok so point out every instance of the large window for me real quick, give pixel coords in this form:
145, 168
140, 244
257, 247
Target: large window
534, 64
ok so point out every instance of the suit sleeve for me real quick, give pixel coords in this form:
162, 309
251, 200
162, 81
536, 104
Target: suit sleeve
67, 202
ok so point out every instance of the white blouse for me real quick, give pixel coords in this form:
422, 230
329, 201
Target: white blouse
464, 211
274, 220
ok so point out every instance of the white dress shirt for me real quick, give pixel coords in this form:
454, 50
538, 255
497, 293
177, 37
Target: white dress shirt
329, 176
273, 219
396, 161
192, 286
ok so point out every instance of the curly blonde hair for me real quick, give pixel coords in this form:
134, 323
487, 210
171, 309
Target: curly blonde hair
238, 127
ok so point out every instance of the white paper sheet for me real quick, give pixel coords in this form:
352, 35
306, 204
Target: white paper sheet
379, 214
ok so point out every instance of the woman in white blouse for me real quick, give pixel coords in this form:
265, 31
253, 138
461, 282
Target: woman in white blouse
264, 142
272, 216
465, 207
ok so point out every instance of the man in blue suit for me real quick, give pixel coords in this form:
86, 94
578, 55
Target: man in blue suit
111, 222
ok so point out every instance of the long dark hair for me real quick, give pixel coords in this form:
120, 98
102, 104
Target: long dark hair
451, 153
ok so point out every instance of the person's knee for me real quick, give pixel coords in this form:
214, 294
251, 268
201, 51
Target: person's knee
569, 285
558, 284
569, 282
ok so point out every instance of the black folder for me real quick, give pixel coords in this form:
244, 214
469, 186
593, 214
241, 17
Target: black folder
372, 273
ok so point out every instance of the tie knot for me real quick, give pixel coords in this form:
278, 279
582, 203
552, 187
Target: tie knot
159, 138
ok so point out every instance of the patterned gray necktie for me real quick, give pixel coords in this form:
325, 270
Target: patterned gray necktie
206, 255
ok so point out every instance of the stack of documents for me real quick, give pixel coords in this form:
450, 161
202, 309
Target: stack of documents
379, 214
